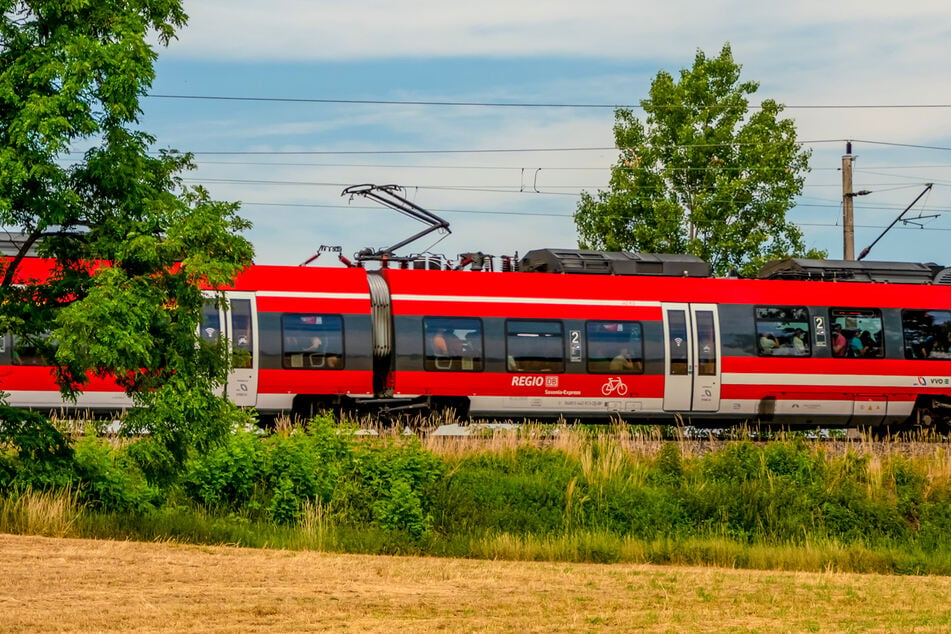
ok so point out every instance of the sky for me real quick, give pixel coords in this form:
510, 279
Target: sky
285, 104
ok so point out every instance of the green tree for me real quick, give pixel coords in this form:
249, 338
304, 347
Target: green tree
129, 244
703, 175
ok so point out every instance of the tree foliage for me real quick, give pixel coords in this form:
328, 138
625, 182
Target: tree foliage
704, 174
128, 241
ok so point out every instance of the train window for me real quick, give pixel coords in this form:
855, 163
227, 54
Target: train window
534, 346
453, 343
241, 344
615, 347
857, 333
927, 334
706, 343
30, 351
210, 321
783, 331
312, 342
677, 342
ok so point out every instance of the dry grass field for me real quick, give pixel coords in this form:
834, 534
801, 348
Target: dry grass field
71, 585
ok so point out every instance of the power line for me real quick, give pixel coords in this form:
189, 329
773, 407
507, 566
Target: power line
864, 208
906, 145
504, 104
371, 152
446, 211
501, 188
463, 166
460, 151
408, 166
486, 150
390, 102
917, 180
539, 214
492, 189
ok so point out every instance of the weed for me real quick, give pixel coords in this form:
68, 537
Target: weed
47, 513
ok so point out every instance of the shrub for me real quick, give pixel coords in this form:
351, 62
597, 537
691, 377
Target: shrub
669, 465
304, 464
401, 509
108, 480
521, 491
390, 484
39, 455
644, 512
734, 463
286, 503
226, 476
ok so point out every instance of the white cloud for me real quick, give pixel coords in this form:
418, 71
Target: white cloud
803, 53
308, 29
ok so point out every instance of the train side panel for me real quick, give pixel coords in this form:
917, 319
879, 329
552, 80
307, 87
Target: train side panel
280, 372
707, 351
315, 341
810, 386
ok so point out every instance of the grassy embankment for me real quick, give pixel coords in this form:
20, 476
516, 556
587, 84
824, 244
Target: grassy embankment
539, 493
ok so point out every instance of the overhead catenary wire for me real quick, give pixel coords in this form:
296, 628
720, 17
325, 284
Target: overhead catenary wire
540, 214
544, 190
503, 188
387, 151
459, 150
518, 104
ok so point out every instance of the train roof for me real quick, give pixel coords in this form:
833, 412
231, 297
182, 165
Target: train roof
480, 289
856, 271
574, 261
613, 263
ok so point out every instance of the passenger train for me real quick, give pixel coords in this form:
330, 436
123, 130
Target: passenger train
578, 334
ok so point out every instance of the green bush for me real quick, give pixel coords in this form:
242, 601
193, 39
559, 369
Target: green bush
108, 480
322, 485
389, 485
38, 455
226, 476
645, 512
668, 468
401, 509
523, 491
304, 464
737, 462
365, 481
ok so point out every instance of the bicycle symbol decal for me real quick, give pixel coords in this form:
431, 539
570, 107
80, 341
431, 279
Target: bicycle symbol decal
614, 385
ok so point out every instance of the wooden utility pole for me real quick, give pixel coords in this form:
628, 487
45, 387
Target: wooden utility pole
848, 222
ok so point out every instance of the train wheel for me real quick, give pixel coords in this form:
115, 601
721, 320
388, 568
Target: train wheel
931, 416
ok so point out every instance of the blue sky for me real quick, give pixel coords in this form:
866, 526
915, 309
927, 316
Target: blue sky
288, 162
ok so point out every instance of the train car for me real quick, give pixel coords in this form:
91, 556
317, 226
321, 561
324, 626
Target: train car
306, 332
308, 335
583, 335
643, 345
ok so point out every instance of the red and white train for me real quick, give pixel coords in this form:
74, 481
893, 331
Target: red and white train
584, 335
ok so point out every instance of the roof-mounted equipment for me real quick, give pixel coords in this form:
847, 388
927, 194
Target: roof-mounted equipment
325, 248
613, 263
387, 196
855, 271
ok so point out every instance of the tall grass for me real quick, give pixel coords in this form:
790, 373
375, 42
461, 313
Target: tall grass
537, 492
47, 513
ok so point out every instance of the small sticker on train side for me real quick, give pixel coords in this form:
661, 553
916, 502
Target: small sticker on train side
933, 380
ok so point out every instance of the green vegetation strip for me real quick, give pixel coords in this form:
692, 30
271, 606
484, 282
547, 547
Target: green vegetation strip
539, 493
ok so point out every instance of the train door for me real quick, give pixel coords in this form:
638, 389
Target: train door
692, 359
237, 322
